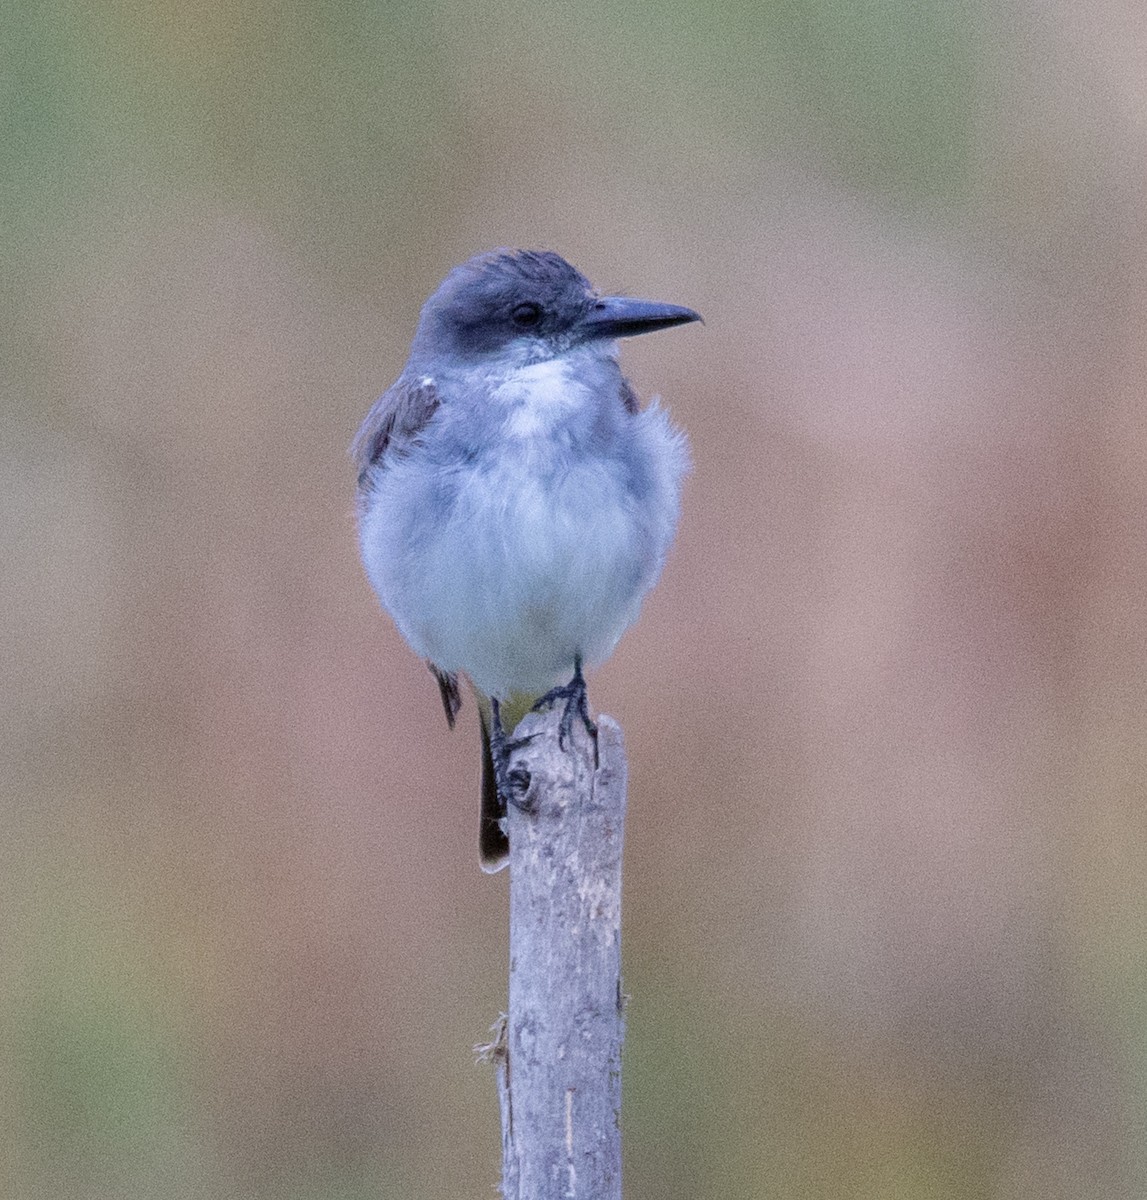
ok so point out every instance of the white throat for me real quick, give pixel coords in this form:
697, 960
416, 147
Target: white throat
541, 398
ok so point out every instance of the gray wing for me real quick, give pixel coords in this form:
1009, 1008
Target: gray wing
393, 423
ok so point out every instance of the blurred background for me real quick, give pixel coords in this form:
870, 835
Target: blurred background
886, 897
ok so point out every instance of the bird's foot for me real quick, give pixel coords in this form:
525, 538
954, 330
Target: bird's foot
575, 697
513, 784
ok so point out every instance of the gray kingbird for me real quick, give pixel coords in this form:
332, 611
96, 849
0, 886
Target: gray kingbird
515, 502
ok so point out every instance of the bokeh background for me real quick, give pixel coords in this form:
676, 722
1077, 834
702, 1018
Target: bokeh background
886, 906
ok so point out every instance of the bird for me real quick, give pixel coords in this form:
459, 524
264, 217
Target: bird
515, 500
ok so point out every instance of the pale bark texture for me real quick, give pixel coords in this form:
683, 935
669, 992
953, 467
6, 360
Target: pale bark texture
559, 1061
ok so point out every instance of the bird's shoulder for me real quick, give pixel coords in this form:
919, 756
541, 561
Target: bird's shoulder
629, 400
395, 420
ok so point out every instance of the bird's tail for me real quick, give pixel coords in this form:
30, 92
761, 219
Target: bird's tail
493, 845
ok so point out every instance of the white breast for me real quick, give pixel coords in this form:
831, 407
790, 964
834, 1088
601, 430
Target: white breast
532, 548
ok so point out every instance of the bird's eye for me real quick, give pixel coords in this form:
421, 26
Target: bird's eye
526, 315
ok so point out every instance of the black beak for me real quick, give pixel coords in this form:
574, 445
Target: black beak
621, 316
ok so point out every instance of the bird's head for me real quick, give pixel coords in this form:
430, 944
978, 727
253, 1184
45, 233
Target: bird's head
530, 305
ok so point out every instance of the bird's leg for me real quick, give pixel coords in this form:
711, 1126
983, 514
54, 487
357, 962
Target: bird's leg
512, 785
576, 705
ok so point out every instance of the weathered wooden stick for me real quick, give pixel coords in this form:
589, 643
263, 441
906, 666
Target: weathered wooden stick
559, 1060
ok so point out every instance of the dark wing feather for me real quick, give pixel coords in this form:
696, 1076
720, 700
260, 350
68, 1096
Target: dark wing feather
448, 690
395, 420
629, 397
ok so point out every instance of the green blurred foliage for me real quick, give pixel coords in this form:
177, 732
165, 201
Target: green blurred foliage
366, 112
100, 1079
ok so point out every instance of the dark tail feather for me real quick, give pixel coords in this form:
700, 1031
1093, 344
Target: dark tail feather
493, 845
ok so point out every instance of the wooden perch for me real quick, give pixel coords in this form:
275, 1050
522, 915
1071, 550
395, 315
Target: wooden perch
559, 1053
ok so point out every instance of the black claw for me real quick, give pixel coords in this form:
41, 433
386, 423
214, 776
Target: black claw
518, 796
576, 699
